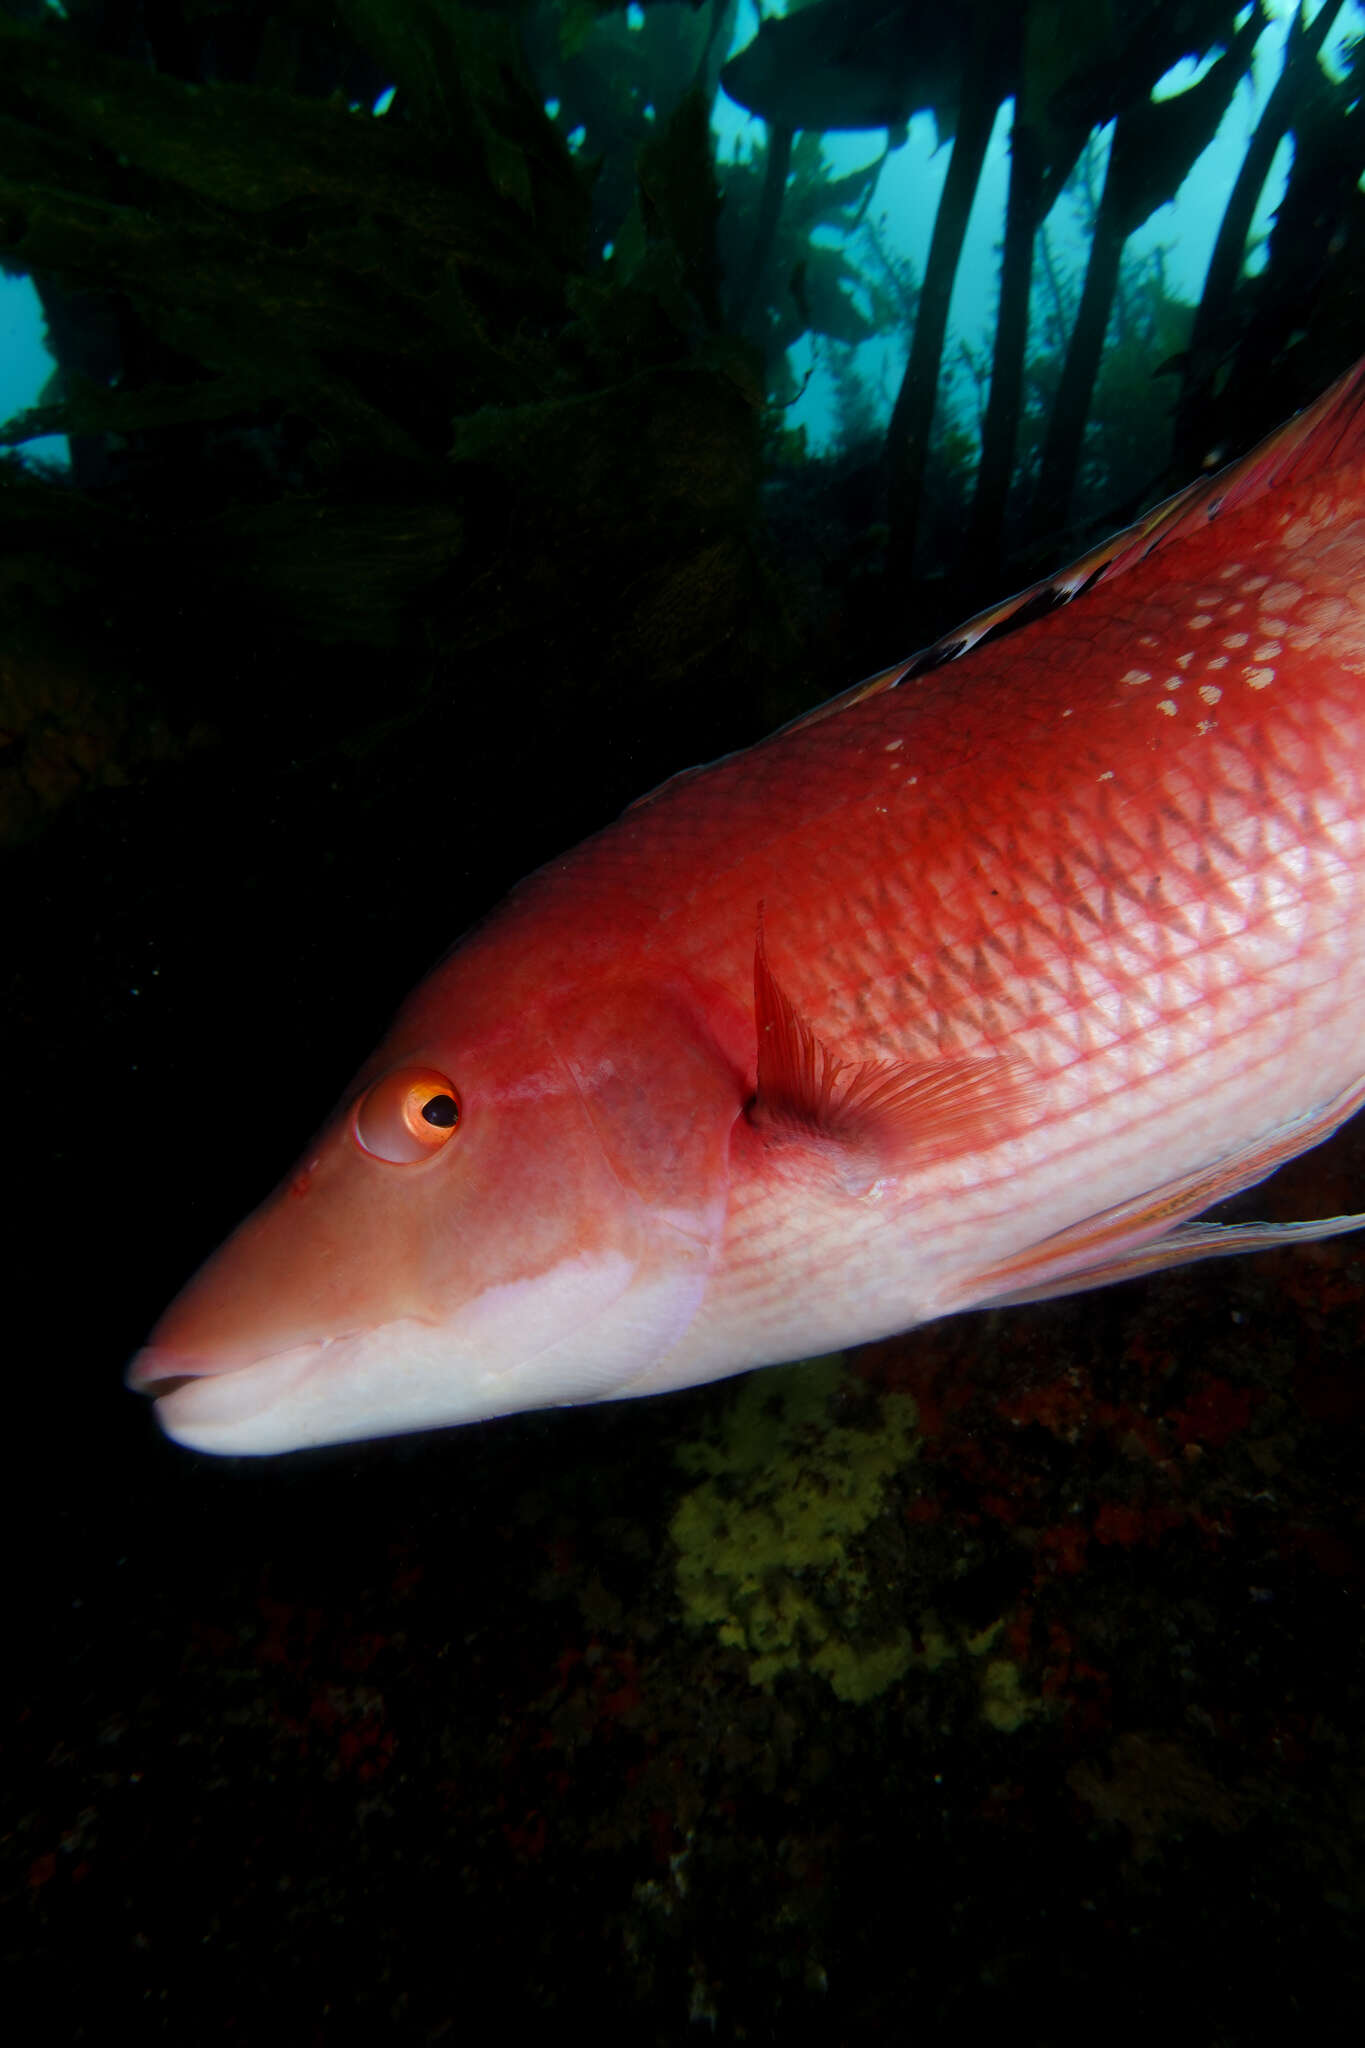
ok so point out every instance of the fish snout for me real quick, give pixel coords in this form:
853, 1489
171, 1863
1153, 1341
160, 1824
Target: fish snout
156, 1371
160, 1368
211, 1402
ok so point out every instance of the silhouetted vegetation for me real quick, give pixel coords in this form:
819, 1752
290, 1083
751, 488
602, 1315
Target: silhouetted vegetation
500, 366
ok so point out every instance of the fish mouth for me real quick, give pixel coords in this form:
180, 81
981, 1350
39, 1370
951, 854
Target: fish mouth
159, 1373
197, 1399
163, 1386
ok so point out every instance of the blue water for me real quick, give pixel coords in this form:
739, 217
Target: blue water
908, 193
25, 364
902, 213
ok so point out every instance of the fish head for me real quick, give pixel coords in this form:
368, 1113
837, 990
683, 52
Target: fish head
514, 1206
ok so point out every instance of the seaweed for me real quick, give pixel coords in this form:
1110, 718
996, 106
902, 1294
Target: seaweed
360, 384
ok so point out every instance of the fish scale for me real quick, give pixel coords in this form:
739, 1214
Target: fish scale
1165, 863
1172, 886
975, 985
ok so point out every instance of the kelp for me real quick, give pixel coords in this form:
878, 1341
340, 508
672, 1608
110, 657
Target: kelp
288, 248
363, 385
1155, 145
613, 81
1221, 305
516, 350
1070, 68
841, 65
780, 282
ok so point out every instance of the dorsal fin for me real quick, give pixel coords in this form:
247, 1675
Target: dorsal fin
1329, 431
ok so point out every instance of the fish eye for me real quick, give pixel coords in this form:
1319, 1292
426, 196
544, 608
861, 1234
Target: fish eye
408, 1115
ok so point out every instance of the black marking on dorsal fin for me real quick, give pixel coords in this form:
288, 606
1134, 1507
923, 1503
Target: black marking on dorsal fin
1328, 432
1325, 434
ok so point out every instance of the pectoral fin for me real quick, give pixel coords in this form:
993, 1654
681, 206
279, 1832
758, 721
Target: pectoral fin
873, 1118
1153, 1231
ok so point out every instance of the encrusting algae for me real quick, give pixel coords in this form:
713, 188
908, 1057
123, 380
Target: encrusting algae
768, 1545
764, 1539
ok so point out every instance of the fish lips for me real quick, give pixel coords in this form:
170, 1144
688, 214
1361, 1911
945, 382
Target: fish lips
194, 1395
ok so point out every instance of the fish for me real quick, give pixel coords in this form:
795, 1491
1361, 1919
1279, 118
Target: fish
977, 985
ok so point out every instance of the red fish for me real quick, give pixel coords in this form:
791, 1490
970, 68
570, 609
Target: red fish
976, 985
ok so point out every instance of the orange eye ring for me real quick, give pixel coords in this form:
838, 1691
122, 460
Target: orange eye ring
407, 1116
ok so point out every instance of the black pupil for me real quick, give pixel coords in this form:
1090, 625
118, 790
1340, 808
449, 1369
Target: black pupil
442, 1110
